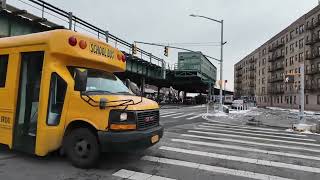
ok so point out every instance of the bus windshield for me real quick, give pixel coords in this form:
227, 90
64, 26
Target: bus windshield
101, 82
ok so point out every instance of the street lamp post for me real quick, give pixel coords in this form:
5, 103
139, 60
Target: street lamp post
221, 55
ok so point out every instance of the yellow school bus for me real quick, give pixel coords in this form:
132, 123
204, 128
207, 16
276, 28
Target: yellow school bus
58, 92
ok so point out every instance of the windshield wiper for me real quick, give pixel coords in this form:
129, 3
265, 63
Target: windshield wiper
99, 91
124, 92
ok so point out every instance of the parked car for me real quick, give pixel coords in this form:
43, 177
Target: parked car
237, 103
189, 101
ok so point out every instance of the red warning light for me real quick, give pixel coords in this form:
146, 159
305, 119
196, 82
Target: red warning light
83, 44
123, 58
73, 41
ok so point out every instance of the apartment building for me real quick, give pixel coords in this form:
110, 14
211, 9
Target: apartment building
261, 74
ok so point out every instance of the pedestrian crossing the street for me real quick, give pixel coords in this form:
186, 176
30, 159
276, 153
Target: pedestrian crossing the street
222, 151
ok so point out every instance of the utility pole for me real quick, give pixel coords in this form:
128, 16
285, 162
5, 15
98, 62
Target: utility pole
221, 66
221, 55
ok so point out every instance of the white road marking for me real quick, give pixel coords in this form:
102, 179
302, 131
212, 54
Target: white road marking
201, 127
171, 114
183, 115
251, 142
190, 118
241, 148
167, 113
127, 174
215, 169
243, 159
256, 138
241, 127
256, 131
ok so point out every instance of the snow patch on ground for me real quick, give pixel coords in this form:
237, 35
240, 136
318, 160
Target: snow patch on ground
294, 110
289, 130
239, 112
217, 114
249, 112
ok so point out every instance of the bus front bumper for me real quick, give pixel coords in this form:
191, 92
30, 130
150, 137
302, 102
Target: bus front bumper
129, 140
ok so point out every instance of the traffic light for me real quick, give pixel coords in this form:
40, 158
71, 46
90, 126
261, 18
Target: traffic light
134, 49
166, 51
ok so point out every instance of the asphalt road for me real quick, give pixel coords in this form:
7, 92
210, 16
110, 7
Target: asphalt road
192, 148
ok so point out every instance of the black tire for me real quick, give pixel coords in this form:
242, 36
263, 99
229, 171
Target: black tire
82, 148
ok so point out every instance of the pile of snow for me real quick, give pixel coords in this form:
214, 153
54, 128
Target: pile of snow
240, 112
217, 114
294, 110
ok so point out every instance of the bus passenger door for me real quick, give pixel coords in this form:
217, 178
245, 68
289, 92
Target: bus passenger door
25, 128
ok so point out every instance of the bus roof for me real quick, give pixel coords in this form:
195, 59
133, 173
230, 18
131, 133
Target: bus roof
73, 44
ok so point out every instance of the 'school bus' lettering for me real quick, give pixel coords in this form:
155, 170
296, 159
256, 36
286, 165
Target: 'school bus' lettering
101, 51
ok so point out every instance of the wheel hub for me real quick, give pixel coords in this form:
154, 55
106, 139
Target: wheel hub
82, 148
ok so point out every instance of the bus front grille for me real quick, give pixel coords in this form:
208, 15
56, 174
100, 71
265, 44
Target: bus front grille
147, 119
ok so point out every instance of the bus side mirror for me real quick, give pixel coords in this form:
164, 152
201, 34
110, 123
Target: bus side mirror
133, 87
80, 78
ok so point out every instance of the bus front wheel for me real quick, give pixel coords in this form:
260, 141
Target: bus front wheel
82, 148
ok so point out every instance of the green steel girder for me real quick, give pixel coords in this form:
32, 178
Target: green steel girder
13, 25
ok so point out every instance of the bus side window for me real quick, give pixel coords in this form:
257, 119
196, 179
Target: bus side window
3, 69
58, 88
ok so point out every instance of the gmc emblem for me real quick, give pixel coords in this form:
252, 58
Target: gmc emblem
148, 119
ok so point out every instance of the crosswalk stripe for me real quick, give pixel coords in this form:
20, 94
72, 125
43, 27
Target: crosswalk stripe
171, 114
215, 169
190, 118
256, 131
165, 113
234, 147
251, 142
127, 174
183, 115
243, 159
254, 134
250, 137
240, 126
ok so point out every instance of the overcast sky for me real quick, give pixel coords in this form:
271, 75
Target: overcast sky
248, 23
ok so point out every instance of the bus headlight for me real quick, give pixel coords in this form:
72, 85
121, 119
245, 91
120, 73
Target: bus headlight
123, 116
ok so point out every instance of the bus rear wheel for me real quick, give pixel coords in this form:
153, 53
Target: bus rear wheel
82, 148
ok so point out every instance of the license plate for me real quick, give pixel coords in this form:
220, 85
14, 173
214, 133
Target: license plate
154, 139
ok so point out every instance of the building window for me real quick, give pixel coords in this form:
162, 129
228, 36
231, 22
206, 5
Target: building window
295, 99
300, 43
291, 47
312, 67
307, 99
3, 69
318, 99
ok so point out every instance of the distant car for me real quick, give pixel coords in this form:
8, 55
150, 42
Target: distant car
228, 99
189, 101
237, 103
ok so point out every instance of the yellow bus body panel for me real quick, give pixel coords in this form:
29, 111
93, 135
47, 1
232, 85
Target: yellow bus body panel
58, 55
